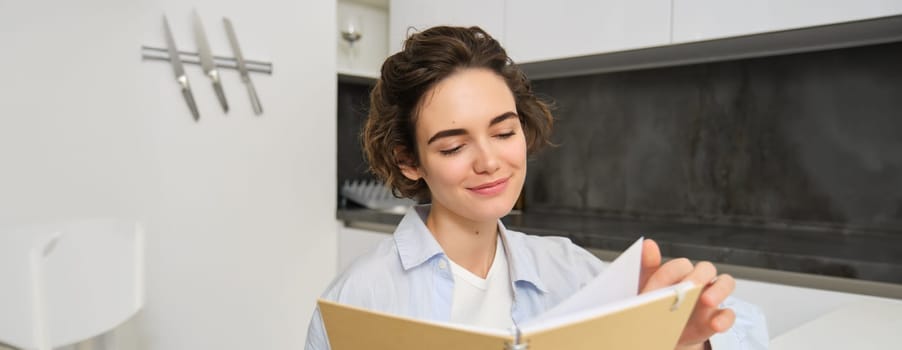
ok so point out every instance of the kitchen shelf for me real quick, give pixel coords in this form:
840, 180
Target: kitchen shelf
870, 261
356, 76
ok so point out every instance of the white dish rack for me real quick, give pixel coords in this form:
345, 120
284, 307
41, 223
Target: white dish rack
375, 195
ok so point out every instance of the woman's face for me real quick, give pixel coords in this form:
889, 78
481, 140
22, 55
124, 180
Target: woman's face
471, 146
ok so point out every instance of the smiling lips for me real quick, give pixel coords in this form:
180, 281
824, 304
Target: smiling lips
491, 188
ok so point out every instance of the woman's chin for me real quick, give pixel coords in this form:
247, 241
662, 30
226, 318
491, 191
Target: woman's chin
492, 211
478, 208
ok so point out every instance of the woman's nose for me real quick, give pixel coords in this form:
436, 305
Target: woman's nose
486, 161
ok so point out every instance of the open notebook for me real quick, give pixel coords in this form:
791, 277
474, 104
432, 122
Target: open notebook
604, 314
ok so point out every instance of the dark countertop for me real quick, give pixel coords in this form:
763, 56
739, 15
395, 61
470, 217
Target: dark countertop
860, 255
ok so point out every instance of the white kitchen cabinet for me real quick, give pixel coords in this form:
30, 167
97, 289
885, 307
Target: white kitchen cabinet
696, 20
542, 30
364, 57
422, 14
571, 37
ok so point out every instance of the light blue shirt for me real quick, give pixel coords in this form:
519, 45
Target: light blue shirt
409, 275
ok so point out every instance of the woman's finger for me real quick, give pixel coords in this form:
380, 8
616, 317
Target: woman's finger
722, 320
668, 274
702, 274
717, 292
651, 260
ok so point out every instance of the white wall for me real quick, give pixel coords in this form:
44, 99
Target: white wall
239, 209
354, 243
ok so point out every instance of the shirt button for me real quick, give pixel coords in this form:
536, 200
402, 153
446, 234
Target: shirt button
442, 264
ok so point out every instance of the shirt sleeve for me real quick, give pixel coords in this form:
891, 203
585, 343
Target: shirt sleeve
316, 333
749, 332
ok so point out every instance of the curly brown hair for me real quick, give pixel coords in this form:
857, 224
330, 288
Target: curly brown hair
427, 58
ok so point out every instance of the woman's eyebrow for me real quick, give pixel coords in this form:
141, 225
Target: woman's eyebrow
446, 133
503, 117
455, 132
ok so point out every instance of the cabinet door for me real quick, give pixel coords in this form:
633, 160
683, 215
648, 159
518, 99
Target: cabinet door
364, 57
695, 20
541, 30
422, 14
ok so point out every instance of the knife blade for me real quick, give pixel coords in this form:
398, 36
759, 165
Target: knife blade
206, 60
179, 70
242, 66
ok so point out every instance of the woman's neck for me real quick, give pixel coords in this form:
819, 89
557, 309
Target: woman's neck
468, 243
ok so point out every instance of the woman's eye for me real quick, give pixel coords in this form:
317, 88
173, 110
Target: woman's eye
505, 135
450, 151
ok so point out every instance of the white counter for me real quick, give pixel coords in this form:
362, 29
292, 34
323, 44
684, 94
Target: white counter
871, 324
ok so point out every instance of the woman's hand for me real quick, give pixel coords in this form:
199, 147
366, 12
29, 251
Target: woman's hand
707, 318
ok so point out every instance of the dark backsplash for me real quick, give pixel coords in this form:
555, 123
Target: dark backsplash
353, 103
811, 139
803, 139
795, 159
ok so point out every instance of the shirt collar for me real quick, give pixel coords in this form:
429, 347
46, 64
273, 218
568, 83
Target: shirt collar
416, 245
415, 242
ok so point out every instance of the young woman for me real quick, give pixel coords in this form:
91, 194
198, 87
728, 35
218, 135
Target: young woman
452, 122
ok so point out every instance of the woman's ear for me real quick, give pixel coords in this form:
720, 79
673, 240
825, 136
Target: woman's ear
406, 164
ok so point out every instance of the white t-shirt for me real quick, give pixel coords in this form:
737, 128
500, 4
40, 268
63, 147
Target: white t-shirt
483, 302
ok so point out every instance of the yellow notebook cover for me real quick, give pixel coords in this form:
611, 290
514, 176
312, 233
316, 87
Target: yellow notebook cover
648, 321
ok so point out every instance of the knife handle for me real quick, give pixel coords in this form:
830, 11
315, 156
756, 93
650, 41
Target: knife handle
221, 96
189, 98
255, 101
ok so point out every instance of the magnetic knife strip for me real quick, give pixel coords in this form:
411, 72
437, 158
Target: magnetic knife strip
160, 54
210, 64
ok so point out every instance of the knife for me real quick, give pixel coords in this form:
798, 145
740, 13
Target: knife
242, 66
179, 70
206, 60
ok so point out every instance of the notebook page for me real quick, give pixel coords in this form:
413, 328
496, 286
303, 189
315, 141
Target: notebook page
618, 281
682, 296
